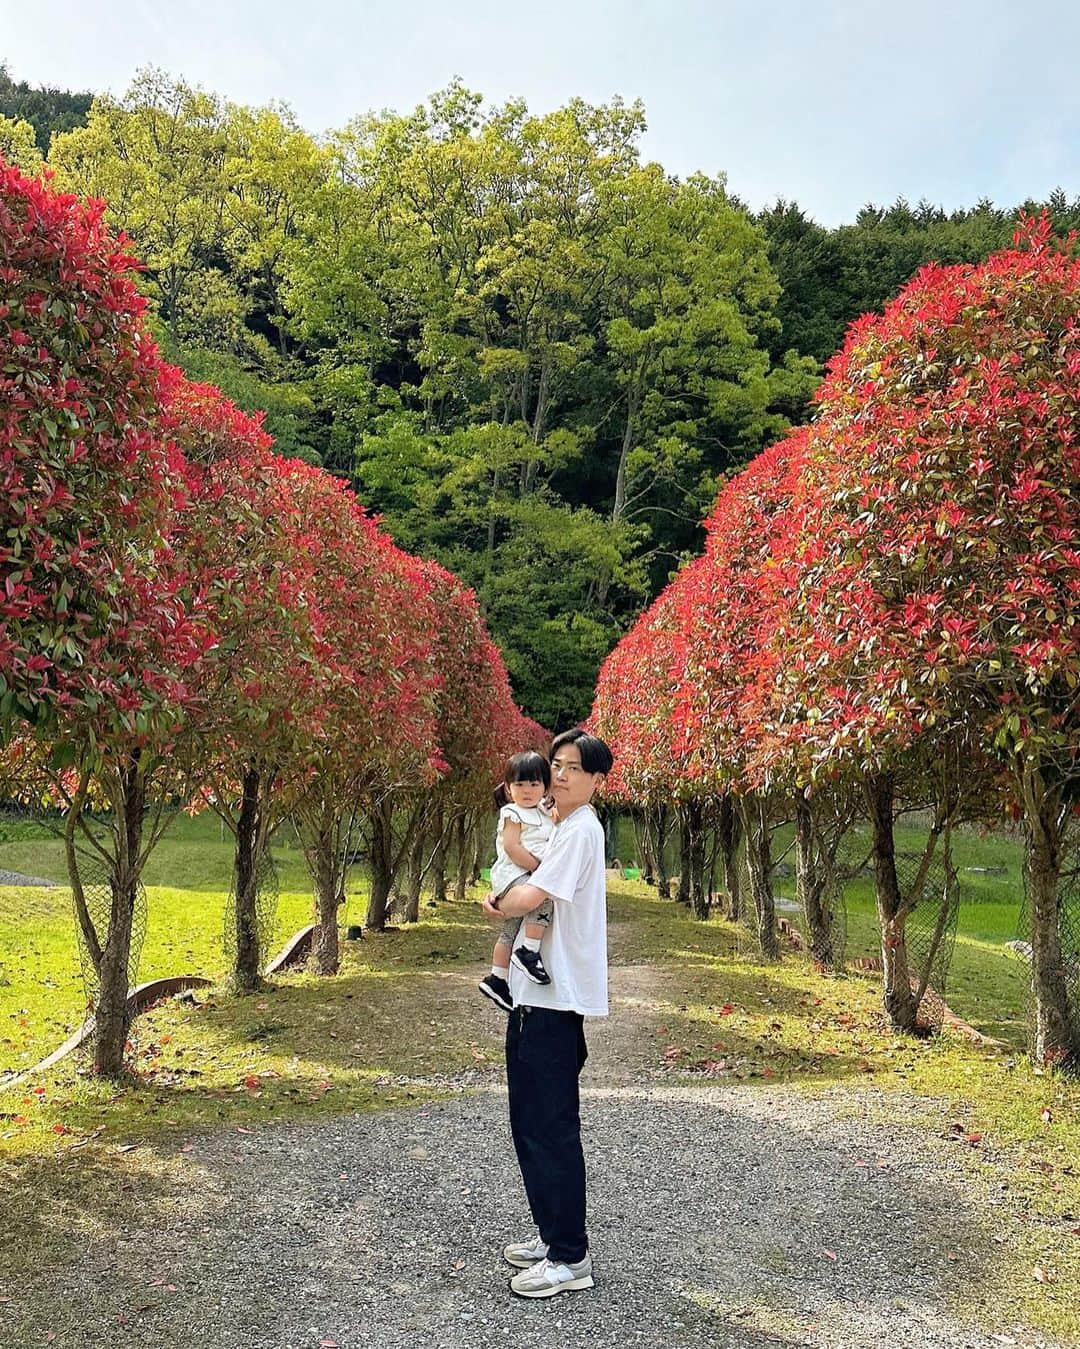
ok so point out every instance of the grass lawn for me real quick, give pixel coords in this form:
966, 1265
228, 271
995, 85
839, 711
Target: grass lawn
404, 1007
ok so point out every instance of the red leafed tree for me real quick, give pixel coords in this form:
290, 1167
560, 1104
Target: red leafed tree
633, 712
78, 400
725, 617
102, 624
375, 685
478, 727
242, 531
941, 564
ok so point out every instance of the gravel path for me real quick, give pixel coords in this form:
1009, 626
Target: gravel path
720, 1216
17, 878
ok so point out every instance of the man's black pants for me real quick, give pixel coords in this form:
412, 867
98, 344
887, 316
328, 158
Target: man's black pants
545, 1052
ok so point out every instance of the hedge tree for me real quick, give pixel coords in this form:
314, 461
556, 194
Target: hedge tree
243, 530
940, 582
101, 623
375, 684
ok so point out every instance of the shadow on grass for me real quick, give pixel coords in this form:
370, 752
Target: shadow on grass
56, 1206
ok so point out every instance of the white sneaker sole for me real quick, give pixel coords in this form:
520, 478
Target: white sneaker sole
527, 972
570, 1286
490, 993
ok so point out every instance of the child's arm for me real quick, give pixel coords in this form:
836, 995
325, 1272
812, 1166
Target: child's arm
515, 849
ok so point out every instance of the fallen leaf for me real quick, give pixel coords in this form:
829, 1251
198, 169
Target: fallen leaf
1046, 1116
251, 1083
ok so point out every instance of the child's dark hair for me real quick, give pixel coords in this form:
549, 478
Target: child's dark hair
528, 766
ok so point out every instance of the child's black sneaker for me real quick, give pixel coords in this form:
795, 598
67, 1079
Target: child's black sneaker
496, 988
531, 964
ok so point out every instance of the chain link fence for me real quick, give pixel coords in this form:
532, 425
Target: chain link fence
267, 893
1068, 934
98, 892
930, 930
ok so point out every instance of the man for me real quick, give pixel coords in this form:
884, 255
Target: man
545, 1039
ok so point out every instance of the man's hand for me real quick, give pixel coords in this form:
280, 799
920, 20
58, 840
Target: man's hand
491, 908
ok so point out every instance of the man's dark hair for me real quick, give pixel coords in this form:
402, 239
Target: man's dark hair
596, 757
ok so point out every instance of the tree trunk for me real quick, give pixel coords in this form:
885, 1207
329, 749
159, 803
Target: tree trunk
685, 858
699, 895
381, 817
899, 1000
728, 832
1057, 1026
464, 858
759, 866
320, 830
478, 841
112, 1017
710, 866
811, 887
633, 401
414, 877
438, 861
247, 966
663, 827
324, 865
645, 842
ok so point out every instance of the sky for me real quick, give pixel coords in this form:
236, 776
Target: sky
831, 103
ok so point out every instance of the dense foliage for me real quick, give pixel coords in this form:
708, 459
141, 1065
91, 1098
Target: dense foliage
532, 353
888, 600
186, 616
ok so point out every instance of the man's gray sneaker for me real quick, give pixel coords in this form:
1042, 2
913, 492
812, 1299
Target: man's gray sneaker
548, 1277
525, 1254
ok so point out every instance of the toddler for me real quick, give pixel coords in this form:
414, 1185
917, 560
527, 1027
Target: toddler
522, 835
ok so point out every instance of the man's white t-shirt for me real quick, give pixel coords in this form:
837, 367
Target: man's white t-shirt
574, 947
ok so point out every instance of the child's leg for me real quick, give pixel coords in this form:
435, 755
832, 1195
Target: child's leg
504, 945
536, 924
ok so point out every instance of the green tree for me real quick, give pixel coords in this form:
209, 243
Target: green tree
18, 146
49, 111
